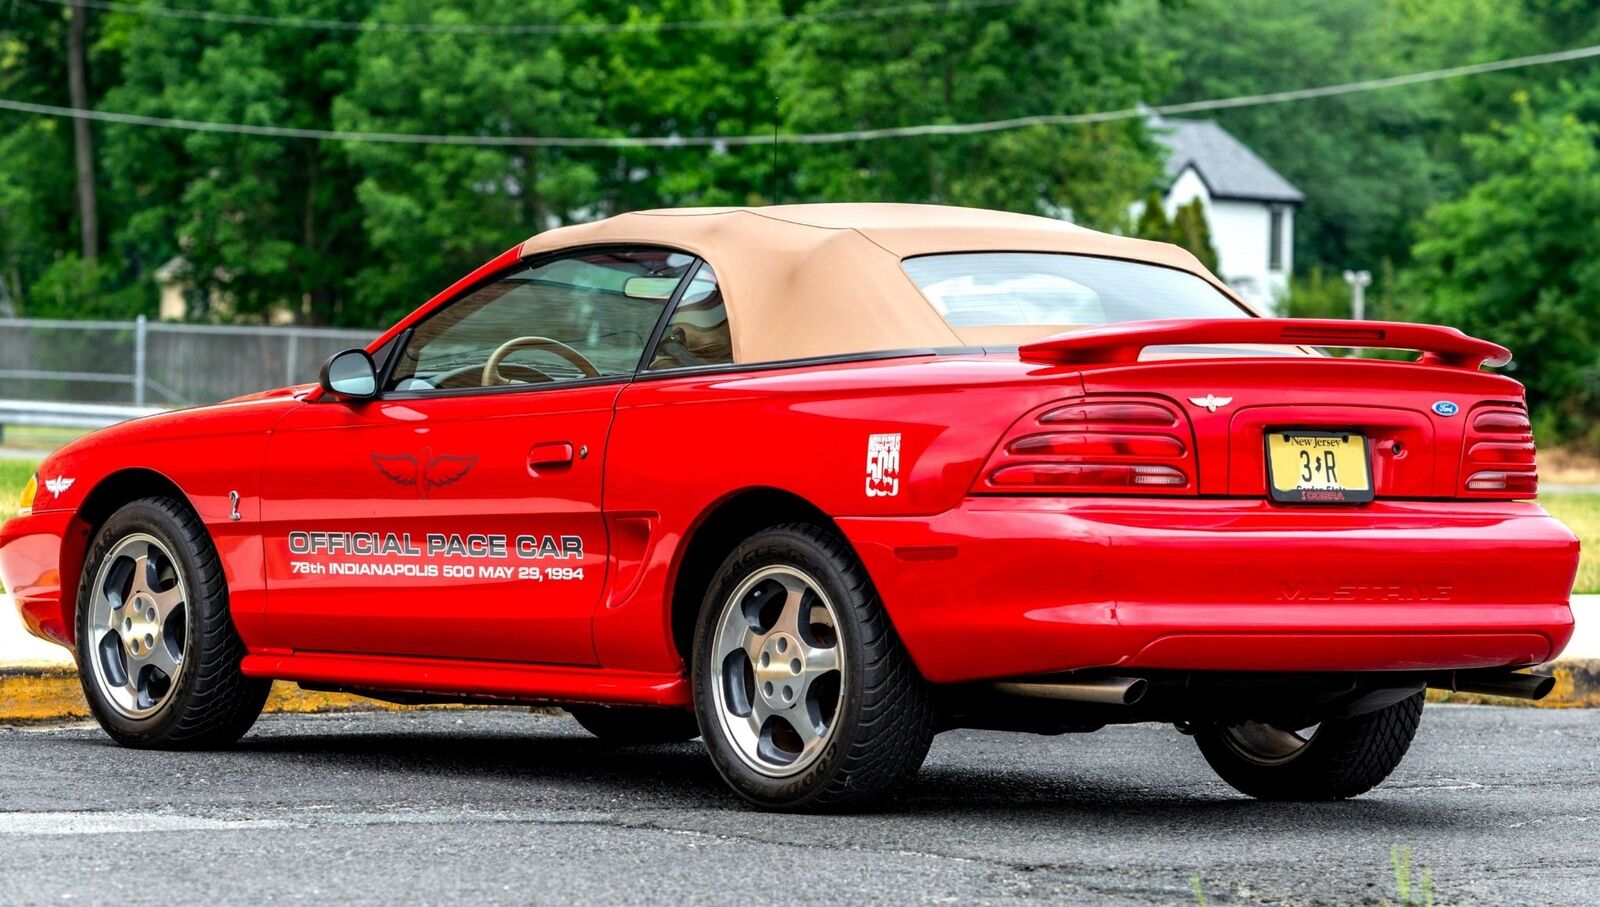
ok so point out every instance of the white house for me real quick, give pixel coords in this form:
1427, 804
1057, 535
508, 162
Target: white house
1249, 206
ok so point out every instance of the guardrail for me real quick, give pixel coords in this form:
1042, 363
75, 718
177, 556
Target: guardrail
67, 415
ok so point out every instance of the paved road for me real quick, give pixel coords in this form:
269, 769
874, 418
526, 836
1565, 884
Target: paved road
1504, 804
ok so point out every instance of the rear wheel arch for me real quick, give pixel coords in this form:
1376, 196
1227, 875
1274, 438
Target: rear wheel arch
832, 713
720, 529
108, 496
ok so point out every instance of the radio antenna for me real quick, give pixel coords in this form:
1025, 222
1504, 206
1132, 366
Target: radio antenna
773, 190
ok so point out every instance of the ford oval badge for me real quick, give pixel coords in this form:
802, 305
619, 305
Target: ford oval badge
1446, 408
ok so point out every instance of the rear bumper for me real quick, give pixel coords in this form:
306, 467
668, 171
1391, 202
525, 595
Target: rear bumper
30, 568
1011, 586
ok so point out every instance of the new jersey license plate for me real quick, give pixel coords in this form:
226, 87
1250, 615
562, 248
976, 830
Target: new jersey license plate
1318, 467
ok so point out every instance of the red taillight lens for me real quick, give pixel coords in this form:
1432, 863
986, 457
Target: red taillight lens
1098, 444
1118, 475
1500, 421
1116, 445
1111, 413
1501, 452
1499, 459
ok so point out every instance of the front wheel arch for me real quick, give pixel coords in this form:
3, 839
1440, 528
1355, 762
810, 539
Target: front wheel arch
109, 495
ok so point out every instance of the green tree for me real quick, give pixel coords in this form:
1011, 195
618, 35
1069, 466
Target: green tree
1152, 222
1517, 258
43, 271
1371, 164
432, 212
1316, 294
691, 84
38, 222
1187, 228
1362, 160
263, 225
1039, 56
1191, 230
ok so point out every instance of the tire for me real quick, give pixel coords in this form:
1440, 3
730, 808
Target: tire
629, 726
159, 659
840, 671
1342, 758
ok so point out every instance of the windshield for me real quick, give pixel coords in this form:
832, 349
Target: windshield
1044, 289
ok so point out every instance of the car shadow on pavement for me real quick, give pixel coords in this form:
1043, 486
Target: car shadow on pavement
1090, 801
556, 756
558, 759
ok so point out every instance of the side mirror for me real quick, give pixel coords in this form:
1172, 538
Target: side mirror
350, 375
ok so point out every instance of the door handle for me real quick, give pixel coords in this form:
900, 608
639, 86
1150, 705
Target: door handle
548, 455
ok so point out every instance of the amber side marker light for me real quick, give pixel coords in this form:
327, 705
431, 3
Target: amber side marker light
28, 492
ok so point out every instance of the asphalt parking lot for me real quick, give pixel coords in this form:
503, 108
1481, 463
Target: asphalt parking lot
1503, 804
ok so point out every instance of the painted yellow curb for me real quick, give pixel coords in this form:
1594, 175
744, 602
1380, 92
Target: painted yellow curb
40, 694
53, 694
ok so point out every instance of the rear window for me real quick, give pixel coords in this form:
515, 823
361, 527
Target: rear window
1002, 289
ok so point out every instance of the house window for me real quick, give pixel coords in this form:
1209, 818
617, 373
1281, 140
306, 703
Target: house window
1275, 240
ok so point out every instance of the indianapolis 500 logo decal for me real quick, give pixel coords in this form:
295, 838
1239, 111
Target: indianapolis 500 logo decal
883, 465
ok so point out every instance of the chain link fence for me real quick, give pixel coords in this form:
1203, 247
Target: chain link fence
146, 363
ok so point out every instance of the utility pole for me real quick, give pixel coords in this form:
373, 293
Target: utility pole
82, 139
1358, 281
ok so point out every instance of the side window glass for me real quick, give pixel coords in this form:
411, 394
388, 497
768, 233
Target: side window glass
580, 317
697, 333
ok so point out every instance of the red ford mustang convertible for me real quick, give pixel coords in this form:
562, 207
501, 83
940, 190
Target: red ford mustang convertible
815, 483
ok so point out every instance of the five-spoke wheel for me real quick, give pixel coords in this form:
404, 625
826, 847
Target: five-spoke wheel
805, 697
137, 618
779, 664
157, 649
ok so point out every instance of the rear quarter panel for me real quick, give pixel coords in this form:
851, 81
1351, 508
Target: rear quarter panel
681, 445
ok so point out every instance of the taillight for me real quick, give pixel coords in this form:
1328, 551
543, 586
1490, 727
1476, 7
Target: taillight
1498, 459
1088, 446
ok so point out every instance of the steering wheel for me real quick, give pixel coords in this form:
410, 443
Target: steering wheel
491, 369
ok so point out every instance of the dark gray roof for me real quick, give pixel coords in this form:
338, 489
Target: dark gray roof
1230, 169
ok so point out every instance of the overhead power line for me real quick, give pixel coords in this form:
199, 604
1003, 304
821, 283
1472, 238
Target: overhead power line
901, 10
810, 138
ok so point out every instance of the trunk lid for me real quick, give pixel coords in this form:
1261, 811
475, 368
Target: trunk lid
1412, 417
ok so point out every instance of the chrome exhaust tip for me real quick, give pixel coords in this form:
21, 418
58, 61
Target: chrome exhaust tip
1099, 690
1512, 684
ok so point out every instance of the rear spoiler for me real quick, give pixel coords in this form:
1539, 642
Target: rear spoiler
1124, 342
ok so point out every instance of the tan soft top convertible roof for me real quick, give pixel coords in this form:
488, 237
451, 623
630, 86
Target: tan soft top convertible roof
825, 280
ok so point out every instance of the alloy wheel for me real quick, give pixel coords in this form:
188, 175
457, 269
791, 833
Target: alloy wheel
780, 670
1266, 744
138, 620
